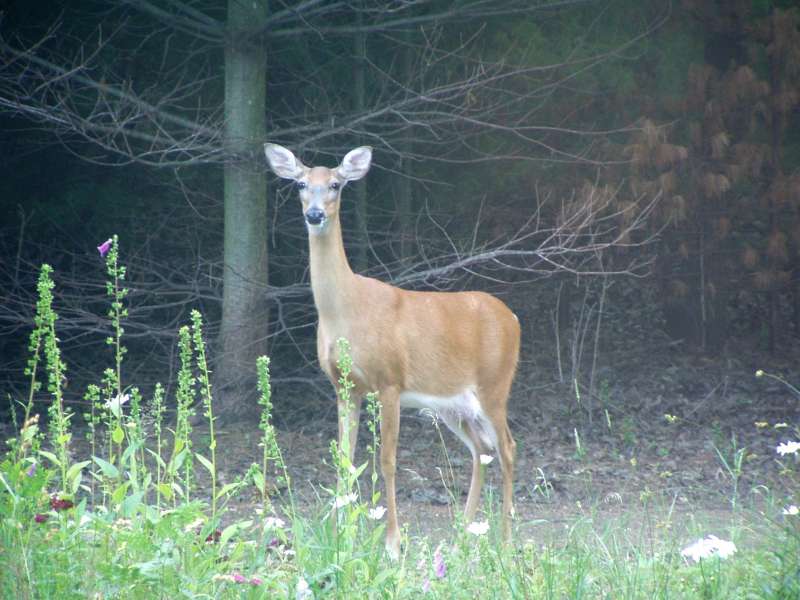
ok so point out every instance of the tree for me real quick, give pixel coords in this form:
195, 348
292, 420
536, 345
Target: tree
457, 107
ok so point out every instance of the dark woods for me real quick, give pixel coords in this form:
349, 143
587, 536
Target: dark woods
624, 174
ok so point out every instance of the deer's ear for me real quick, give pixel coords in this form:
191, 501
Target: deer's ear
283, 162
356, 163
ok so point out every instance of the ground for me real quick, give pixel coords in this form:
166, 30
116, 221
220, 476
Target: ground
655, 446
661, 450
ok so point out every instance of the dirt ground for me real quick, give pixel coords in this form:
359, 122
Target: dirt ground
649, 449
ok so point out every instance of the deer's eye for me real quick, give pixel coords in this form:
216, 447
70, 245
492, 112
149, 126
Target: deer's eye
301, 185
335, 185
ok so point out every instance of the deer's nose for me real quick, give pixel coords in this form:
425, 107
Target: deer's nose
315, 216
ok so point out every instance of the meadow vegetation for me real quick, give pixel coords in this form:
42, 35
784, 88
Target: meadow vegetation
144, 515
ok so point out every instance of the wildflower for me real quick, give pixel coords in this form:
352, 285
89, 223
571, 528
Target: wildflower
104, 248
478, 527
238, 578
256, 581
302, 590
761, 424
780, 425
788, 448
115, 404
31, 470
40, 518
274, 523
376, 514
120, 524
791, 510
57, 503
439, 566
708, 547
213, 537
342, 501
760, 373
426, 586
670, 418
486, 459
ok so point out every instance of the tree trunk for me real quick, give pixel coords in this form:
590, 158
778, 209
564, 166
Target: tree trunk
243, 332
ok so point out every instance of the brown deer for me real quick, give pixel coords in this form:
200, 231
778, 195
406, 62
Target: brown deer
454, 353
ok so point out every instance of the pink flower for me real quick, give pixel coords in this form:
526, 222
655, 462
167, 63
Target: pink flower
31, 470
40, 518
238, 578
439, 566
104, 247
57, 503
255, 581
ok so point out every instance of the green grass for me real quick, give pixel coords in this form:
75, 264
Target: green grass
144, 516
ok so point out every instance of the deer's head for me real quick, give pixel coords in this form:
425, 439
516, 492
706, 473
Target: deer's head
320, 188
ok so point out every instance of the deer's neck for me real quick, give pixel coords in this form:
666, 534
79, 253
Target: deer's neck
331, 276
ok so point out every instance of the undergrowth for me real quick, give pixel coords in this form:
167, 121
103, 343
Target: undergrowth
144, 515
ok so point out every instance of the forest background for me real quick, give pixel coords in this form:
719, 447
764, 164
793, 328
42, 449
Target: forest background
623, 174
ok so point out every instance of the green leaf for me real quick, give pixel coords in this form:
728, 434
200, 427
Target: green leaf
131, 503
106, 467
227, 488
155, 455
205, 462
176, 462
51, 457
232, 530
258, 479
8, 487
118, 435
165, 490
76, 469
118, 494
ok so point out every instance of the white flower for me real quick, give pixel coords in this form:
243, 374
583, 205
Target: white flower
376, 514
791, 510
486, 459
788, 448
274, 523
478, 527
341, 501
708, 547
115, 403
303, 591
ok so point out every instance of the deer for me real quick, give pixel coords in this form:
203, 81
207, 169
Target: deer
452, 353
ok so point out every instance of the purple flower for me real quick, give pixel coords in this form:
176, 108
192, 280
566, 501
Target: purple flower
40, 518
239, 578
439, 566
255, 581
31, 470
104, 247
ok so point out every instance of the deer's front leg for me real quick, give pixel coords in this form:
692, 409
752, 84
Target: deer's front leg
390, 428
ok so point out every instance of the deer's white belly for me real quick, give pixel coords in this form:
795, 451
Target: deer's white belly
453, 410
